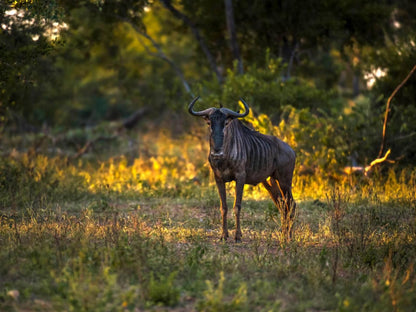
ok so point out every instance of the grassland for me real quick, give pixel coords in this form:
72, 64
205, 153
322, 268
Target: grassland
105, 232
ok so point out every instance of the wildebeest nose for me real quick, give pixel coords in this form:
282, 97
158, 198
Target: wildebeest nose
217, 154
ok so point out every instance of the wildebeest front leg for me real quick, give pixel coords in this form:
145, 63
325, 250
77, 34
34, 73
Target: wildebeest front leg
239, 188
224, 209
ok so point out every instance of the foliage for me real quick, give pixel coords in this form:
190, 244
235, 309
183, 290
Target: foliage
289, 28
163, 292
120, 249
265, 91
400, 133
28, 180
94, 216
214, 298
307, 119
26, 64
86, 290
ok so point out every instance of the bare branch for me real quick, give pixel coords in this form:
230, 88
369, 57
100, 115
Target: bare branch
291, 60
197, 35
383, 140
89, 144
376, 162
143, 32
367, 169
163, 56
131, 121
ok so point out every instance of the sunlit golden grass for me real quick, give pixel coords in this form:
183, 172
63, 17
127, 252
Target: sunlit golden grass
177, 172
112, 246
135, 232
172, 172
177, 165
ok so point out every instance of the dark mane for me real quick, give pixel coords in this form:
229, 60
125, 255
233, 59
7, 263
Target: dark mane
239, 141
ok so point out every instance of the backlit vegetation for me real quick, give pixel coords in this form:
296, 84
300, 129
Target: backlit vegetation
107, 201
141, 231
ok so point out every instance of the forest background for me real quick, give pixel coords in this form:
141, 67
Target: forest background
331, 63
106, 197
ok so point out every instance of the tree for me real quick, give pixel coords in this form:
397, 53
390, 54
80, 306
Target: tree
231, 29
25, 66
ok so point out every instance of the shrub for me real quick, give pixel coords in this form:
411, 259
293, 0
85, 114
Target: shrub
162, 291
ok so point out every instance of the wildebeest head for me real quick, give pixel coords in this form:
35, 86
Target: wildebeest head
218, 120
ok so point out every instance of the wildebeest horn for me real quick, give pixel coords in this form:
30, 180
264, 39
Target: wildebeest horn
231, 113
204, 112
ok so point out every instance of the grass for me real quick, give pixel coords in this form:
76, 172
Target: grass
141, 232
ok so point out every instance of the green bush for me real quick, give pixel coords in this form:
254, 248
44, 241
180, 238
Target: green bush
215, 299
162, 291
266, 92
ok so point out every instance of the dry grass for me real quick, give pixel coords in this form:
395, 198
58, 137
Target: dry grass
141, 232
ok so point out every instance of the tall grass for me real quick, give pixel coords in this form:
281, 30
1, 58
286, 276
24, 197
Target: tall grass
141, 233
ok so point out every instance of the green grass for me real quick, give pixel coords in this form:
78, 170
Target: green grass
69, 241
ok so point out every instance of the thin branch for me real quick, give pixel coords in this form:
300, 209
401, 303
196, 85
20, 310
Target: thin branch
163, 56
131, 121
383, 140
376, 162
87, 146
404, 137
367, 169
197, 35
291, 60
160, 53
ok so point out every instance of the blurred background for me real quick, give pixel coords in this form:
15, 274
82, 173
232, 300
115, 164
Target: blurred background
319, 70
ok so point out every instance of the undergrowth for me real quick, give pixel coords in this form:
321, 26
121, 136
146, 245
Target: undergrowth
141, 232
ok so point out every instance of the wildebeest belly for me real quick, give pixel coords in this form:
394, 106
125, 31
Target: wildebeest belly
254, 178
228, 171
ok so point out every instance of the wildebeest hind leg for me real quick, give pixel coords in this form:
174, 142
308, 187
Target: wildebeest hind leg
282, 198
273, 192
288, 205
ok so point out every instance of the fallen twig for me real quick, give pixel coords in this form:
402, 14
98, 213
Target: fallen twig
367, 169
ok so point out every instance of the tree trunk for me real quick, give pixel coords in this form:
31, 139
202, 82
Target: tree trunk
229, 14
355, 85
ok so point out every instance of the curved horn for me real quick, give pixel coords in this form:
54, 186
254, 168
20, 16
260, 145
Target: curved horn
204, 112
231, 113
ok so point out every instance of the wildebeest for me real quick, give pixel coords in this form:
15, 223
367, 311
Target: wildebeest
238, 153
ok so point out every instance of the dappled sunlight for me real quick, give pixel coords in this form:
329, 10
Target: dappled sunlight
108, 201
110, 226
176, 166
166, 164
105, 232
